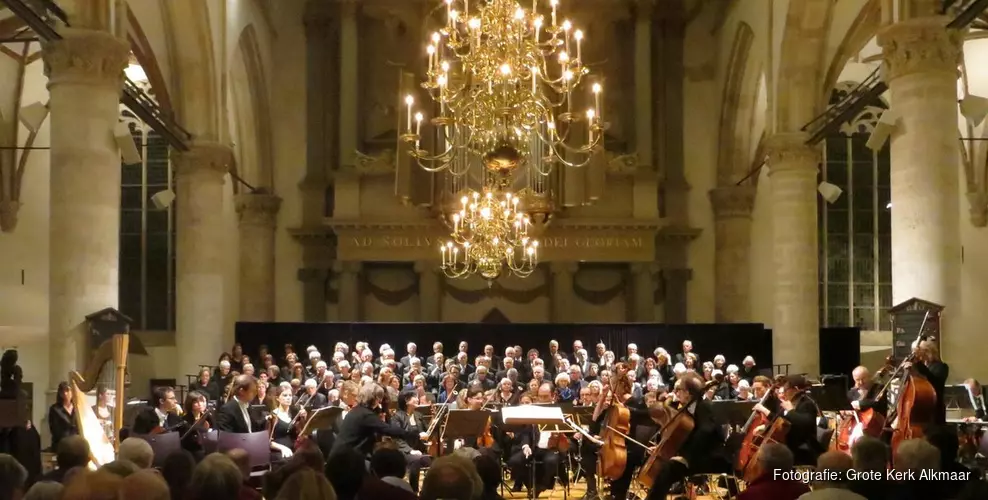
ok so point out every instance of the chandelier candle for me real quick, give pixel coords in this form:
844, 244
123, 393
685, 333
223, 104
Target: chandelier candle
492, 235
499, 76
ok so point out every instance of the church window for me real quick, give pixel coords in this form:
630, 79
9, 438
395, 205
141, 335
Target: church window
147, 233
855, 239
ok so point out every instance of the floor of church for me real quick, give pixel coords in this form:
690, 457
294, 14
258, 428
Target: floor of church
577, 491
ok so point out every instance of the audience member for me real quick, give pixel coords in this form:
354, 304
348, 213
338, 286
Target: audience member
871, 460
121, 468
773, 460
452, 478
346, 471
489, 471
216, 478
45, 490
136, 450
945, 440
177, 472
13, 478
833, 465
145, 484
88, 485
242, 459
388, 464
307, 484
912, 457
73, 451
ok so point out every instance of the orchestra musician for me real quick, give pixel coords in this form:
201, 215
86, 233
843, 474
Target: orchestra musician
620, 392
926, 360
801, 411
698, 452
863, 395
407, 420
531, 443
979, 398
759, 386
61, 415
363, 425
193, 432
161, 417
103, 410
312, 398
236, 416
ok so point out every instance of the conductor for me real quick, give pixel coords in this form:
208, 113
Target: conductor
235, 415
363, 425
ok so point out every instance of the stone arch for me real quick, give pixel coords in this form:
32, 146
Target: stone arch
863, 29
737, 105
194, 83
140, 46
799, 81
249, 92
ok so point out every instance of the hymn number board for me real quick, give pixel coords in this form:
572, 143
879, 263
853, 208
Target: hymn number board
907, 319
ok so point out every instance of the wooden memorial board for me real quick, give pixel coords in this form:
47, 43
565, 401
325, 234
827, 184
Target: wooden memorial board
907, 319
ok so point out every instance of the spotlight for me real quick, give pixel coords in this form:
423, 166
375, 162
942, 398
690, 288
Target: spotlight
125, 141
883, 129
830, 192
974, 108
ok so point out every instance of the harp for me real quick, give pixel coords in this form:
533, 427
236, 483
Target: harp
108, 368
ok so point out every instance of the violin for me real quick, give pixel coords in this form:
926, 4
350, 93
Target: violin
200, 424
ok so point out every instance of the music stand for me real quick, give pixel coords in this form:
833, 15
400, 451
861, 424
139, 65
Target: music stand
321, 419
533, 415
732, 413
583, 415
465, 423
957, 398
829, 398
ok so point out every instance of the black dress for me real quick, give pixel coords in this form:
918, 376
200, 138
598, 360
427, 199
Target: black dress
283, 434
61, 423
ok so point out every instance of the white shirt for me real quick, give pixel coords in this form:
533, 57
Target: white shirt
243, 409
162, 417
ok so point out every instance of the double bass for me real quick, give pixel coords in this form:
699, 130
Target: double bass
612, 457
751, 441
915, 408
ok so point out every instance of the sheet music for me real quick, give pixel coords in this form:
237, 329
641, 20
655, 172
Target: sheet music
532, 414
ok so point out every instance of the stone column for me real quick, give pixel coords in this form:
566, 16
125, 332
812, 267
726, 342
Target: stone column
732, 243
643, 276
920, 66
643, 83
200, 255
85, 74
430, 291
348, 291
676, 306
349, 81
258, 219
562, 290
793, 168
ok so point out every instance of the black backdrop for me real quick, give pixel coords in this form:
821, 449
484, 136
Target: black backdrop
734, 341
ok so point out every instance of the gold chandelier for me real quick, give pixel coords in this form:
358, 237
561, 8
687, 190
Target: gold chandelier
501, 81
489, 237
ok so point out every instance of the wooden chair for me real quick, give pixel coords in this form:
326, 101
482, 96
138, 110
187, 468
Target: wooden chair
256, 444
162, 444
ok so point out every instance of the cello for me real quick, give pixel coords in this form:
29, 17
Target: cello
869, 422
673, 435
613, 455
749, 445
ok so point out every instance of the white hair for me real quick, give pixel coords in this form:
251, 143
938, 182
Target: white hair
224, 364
653, 373
365, 352
388, 352
338, 356
634, 357
743, 384
366, 366
652, 384
679, 369
311, 348
561, 376
314, 355
633, 346
554, 343
411, 345
708, 364
414, 360
659, 350
716, 373
321, 364
311, 383
285, 385
343, 364
748, 359
582, 353
136, 450
384, 347
721, 358
731, 369
481, 369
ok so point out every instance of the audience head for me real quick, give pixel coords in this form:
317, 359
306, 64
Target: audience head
13, 477
945, 440
489, 471
245, 387
45, 490
916, 455
388, 462
177, 472
144, 485
121, 467
838, 464
346, 471
87, 485
242, 459
870, 455
774, 457
307, 484
73, 451
216, 478
451, 478
136, 450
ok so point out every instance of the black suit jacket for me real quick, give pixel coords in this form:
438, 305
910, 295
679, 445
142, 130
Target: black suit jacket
361, 427
400, 421
869, 401
318, 401
802, 438
705, 441
229, 418
936, 373
147, 420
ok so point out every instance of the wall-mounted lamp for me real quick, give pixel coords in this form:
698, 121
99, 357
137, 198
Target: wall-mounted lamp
883, 129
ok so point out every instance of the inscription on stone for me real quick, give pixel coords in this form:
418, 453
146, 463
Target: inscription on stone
596, 242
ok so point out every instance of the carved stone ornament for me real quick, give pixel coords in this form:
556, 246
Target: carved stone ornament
732, 201
622, 164
8, 215
204, 156
258, 209
86, 56
920, 46
382, 163
789, 151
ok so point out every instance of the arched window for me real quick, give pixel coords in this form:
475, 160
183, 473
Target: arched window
856, 230
147, 234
